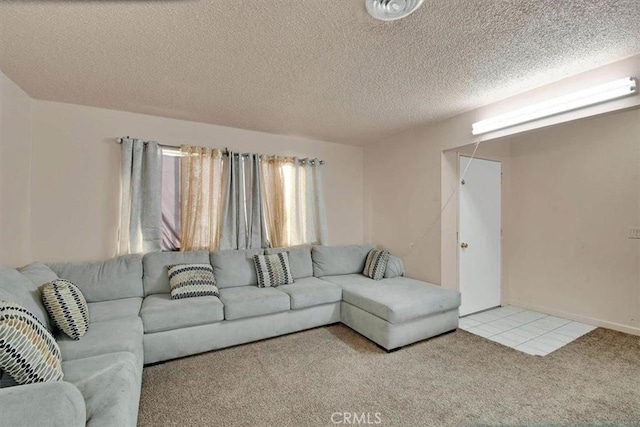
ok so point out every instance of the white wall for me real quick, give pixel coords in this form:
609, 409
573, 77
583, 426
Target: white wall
15, 167
75, 178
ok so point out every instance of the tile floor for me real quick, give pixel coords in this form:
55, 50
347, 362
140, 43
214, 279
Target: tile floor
528, 331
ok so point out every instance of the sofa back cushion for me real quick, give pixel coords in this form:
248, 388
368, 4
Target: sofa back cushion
16, 288
233, 267
40, 274
299, 259
156, 267
337, 260
116, 278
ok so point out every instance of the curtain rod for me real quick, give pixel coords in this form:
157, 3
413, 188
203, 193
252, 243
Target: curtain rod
177, 147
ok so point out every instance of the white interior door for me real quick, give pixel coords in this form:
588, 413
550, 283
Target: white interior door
479, 234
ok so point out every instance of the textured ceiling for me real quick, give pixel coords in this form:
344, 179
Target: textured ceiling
320, 69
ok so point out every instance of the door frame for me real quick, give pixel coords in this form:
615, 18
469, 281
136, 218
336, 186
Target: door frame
458, 240
450, 219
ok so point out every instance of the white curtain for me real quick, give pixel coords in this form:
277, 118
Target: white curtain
294, 199
140, 229
243, 216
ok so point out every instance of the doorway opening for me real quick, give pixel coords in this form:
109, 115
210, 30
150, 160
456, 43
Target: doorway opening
479, 234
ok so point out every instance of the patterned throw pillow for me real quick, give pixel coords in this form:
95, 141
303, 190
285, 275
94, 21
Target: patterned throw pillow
67, 307
192, 280
28, 351
273, 270
376, 264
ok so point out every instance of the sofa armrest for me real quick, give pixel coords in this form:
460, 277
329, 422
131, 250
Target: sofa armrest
52, 404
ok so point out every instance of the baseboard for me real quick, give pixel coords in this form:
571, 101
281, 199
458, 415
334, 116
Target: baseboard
578, 318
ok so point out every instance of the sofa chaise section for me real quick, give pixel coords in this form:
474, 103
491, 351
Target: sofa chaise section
398, 311
395, 300
392, 312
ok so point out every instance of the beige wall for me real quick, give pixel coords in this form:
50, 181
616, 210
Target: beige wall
75, 179
575, 191
403, 174
15, 166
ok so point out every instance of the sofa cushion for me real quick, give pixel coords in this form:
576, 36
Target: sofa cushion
160, 313
110, 385
233, 267
116, 278
311, 291
273, 270
51, 404
105, 337
114, 309
395, 267
192, 280
67, 307
39, 273
156, 264
299, 260
28, 351
336, 260
395, 300
17, 288
249, 301
376, 264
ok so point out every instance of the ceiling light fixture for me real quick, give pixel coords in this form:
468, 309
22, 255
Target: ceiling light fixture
573, 101
390, 10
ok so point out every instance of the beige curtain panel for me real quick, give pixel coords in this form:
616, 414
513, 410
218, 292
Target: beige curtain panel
294, 201
201, 196
274, 195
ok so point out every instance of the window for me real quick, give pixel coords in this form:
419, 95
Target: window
259, 201
170, 201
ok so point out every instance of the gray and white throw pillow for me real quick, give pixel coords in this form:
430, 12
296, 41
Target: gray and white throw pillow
192, 280
273, 270
376, 264
67, 307
28, 351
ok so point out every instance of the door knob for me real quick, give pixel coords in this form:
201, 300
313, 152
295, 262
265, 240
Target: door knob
463, 245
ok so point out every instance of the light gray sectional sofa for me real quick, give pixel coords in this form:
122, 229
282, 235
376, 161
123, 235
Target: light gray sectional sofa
133, 320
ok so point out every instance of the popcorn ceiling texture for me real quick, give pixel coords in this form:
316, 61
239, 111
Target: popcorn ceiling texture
321, 69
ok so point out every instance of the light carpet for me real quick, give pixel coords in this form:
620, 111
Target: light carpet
458, 379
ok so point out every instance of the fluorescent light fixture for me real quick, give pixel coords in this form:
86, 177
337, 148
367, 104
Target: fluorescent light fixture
573, 101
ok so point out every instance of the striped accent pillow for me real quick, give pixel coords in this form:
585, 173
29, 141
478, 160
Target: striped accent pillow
192, 280
28, 351
273, 270
376, 264
67, 307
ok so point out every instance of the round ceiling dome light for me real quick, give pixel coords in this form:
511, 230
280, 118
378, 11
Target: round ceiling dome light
390, 10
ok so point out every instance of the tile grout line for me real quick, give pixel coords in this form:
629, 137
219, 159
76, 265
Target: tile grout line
527, 323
